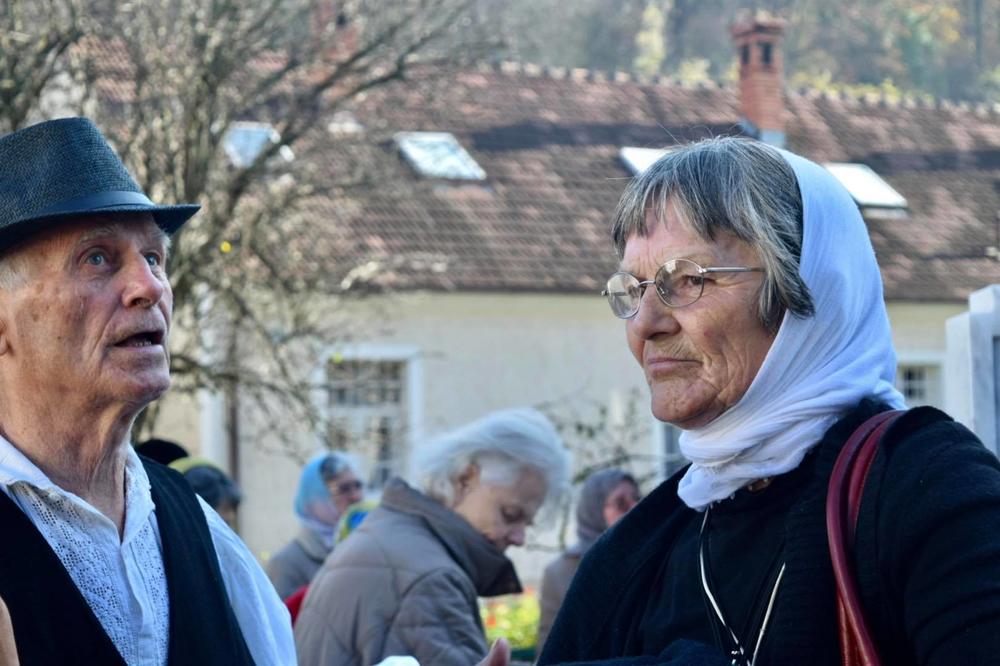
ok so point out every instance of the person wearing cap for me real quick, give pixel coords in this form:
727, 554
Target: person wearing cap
212, 485
107, 558
162, 451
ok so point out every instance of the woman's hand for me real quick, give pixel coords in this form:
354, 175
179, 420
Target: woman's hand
8, 652
499, 654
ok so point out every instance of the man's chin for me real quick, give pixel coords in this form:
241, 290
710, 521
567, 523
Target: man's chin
144, 390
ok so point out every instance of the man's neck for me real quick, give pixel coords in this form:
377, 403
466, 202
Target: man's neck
83, 456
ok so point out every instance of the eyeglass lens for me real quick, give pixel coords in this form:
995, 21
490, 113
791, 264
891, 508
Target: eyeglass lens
348, 487
678, 282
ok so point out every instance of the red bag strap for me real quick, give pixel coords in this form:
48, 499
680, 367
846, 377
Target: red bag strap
843, 502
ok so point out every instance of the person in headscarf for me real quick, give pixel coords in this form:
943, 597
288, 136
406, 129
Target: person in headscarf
330, 483
605, 497
408, 579
752, 300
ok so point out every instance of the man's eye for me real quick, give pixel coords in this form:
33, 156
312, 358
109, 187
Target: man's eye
97, 259
153, 259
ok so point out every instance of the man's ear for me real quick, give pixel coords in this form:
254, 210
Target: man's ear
4, 338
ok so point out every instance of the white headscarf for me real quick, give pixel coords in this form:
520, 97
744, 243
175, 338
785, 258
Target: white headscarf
817, 368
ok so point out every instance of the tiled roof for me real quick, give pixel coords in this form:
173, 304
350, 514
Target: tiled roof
549, 144
549, 141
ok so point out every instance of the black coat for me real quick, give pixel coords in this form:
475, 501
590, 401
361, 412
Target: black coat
927, 557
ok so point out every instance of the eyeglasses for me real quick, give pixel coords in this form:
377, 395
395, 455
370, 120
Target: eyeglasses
348, 487
678, 282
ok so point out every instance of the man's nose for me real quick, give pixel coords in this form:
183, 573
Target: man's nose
144, 287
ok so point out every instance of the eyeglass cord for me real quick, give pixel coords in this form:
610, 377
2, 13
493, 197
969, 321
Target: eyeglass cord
738, 653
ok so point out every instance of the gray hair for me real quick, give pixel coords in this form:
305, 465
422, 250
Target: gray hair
13, 271
503, 445
336, 462
736, 186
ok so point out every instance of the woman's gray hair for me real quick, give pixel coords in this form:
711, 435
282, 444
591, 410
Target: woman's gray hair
503, 444
732, 185
336, 462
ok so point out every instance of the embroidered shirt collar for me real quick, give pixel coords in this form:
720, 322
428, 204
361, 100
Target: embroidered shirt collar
15, 467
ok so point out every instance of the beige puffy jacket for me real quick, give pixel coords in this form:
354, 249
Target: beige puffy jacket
405, 583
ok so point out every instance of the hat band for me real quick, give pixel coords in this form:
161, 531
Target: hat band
95, 202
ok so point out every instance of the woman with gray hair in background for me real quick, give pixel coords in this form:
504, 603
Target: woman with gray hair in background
329, 484
407, 581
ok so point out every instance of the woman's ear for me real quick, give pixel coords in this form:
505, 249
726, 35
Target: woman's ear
466, 480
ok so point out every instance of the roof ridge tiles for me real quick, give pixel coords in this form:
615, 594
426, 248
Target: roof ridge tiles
531, 69
509, 66
558, 72
554, 72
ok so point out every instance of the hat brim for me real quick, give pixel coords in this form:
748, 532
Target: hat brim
167, 218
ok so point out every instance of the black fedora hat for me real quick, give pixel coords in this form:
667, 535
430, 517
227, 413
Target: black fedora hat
65, 168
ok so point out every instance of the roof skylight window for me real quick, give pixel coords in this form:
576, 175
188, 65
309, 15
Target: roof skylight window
245, 141
865, 186
438, 155
639, 159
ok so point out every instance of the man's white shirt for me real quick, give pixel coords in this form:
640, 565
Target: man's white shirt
123, 580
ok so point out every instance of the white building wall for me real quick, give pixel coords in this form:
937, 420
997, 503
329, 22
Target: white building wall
479, 352
475, 353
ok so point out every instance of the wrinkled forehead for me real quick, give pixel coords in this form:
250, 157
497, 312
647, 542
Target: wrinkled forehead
133, 225
69, 233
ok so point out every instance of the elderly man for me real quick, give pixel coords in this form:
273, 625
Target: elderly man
107, 558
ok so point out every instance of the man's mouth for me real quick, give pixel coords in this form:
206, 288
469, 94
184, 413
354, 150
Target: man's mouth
142, 339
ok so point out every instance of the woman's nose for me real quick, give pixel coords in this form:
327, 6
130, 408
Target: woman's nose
516, 536
653, 317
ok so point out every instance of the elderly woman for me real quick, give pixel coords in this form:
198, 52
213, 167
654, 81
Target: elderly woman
605, 497
407, 580
328, 486
753, 302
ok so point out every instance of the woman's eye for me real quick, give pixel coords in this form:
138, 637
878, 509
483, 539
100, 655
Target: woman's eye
97, 259
511, 516
152, 259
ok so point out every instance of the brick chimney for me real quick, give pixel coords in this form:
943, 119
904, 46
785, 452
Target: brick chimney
757, 38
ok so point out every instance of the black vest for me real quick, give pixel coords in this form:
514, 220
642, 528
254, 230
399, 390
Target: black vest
53, 625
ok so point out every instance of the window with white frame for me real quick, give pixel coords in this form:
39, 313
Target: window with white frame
868, 189
920, 384
438, 155
367, 413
